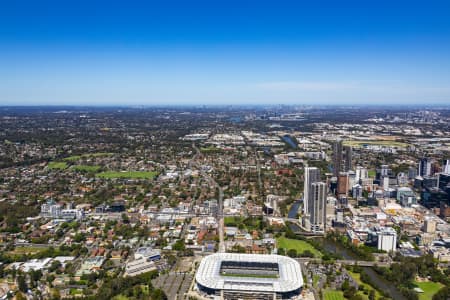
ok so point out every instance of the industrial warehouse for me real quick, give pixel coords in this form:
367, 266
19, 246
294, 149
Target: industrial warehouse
249, 276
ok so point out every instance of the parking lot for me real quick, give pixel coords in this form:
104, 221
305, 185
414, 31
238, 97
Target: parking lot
174, 284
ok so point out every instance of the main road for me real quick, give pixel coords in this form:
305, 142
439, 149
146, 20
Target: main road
214, 183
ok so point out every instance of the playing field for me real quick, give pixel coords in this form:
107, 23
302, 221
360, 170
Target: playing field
298, 245
56, 165
27, 250
430, 288
333, 295
127, 175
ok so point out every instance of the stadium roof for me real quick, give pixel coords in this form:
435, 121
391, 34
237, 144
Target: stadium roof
290, 276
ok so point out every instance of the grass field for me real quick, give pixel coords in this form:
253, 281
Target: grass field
250, 275
371, 173
333, 295
232, 221
315, 279
27, 250
56, 165
85, 168
128, 175
430, 288
298, 245
375, 142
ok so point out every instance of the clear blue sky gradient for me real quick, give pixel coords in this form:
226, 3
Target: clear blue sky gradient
224, 52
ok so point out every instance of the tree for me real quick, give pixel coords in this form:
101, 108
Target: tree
292, 253
307, 253
20, 296
21, 282
442, 294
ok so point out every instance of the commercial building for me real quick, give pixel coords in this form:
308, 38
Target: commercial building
139, 266
387, 239
249, 276
342, 157
147, 253
406, 196
312, 174
317, 206
424, 168
343, 184
429, 225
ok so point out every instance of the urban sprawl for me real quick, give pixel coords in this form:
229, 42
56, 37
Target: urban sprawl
277, 202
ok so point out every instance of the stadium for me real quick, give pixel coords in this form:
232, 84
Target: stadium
249, 276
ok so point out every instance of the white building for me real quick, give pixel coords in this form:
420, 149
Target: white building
312, 174
387, 239
139, 266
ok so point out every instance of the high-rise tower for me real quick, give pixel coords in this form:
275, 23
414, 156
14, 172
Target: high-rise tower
312, 174
317, 206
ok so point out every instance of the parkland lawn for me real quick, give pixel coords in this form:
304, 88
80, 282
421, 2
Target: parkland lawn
429, 289
56, 165
333, 295
127, 175
298, 245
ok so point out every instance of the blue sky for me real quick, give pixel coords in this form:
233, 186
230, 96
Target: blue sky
224, 52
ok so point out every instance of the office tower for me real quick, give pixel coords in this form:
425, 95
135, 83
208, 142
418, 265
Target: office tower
446, 167
361, 173
312, 174
385, 170
317, 206
424, 167
337, 157
429, 225
347, 159
342, 185
444, 182
412, 173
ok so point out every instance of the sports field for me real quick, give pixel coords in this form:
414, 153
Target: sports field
127, 175
56, 165
333, 295
430, 288
298, 245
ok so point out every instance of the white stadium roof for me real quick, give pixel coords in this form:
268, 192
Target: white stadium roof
290, 276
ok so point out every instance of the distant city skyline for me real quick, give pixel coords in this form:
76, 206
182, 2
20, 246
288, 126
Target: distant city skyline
220, 53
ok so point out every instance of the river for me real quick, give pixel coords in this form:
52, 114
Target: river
288, 140
333, 247
376, 279
293, 211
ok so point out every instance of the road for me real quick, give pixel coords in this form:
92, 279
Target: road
213, 182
